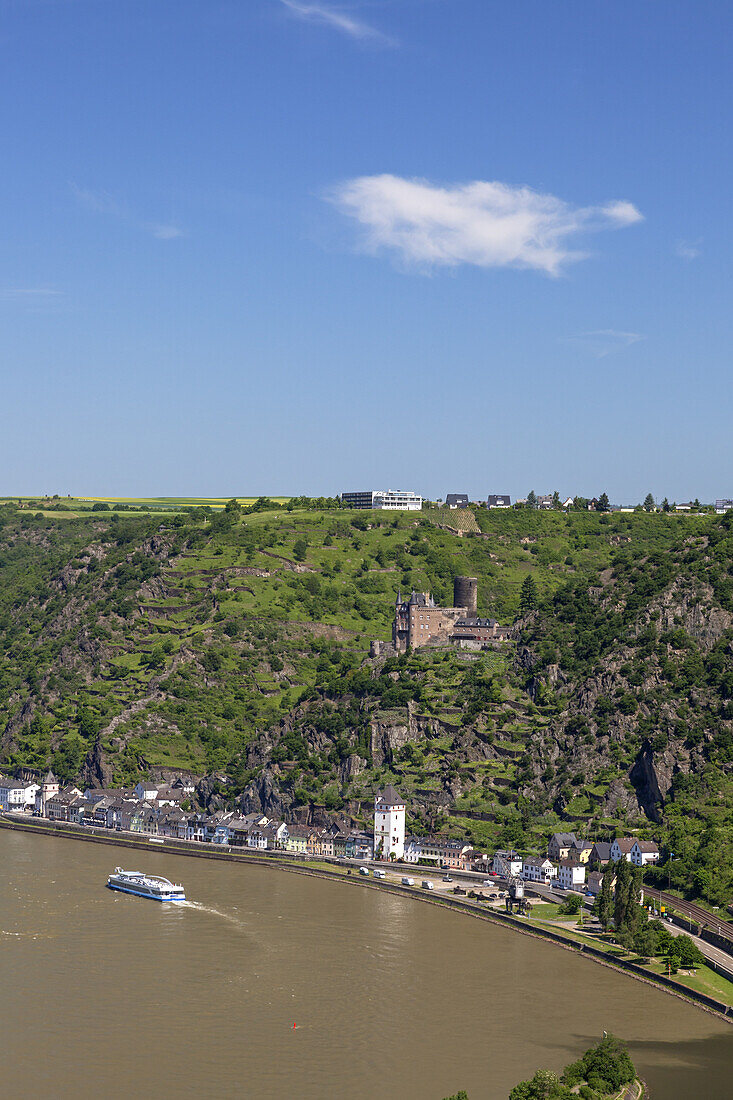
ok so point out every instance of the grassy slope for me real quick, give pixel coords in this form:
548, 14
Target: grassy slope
196, 636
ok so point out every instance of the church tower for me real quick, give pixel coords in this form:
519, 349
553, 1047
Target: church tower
389, 825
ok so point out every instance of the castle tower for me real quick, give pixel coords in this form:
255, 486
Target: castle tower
465, 594
49, 788
389, 825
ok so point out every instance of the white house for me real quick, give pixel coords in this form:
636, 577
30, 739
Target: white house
389, 825
621, 848
17, 795
413, 849
146, 790
507, 864
644, 852
570, 875
535, 869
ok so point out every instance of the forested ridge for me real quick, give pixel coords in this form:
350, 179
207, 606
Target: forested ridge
235, 646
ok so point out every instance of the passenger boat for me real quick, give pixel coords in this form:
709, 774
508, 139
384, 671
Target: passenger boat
145, 886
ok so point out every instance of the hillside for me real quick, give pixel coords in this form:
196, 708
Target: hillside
235, 646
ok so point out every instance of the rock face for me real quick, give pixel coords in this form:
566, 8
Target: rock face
96, 771
387, 739
652, 776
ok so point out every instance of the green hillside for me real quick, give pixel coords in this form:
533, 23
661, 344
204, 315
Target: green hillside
234, 644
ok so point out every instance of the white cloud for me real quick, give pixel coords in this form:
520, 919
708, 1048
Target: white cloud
485, 223
333, 17
103, 202
606, 341
689, 250
166, 232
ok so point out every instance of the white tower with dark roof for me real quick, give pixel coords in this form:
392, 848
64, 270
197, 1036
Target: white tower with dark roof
389, 825
49, 789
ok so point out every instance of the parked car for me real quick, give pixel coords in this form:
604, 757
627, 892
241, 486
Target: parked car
408, 882
379, 874
426, 884
447, 878
363, 870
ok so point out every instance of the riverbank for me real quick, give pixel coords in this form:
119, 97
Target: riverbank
323, 869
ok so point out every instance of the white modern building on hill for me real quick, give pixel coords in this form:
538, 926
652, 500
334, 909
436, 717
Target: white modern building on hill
389, 499
389, 825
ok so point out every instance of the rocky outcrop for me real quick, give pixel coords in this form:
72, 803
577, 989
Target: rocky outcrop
96, 771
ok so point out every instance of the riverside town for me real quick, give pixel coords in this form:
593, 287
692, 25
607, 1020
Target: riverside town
155, 809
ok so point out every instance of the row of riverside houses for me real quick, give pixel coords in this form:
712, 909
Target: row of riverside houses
154, 809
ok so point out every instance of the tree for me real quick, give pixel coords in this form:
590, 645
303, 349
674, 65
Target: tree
531, 499
605, 898
603, 504
649, 503
300, 550
528, 594
556, 502
545, 1085
645, 941
666, 506
572, 905
688, 952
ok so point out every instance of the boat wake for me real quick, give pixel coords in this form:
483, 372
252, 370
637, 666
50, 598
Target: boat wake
197, 905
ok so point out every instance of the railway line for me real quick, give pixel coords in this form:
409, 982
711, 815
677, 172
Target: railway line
693, 912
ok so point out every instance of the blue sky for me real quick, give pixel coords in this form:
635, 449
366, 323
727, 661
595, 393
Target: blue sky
294, 246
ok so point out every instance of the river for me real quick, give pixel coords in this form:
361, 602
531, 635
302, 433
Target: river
110, 994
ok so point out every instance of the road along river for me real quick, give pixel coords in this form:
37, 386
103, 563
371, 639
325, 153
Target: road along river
119, 996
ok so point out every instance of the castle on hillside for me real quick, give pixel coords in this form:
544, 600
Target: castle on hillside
419, 621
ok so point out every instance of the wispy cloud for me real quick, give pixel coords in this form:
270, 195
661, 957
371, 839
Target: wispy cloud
166, 232
689, 250
32, 299
336, 18
103, 202
28, 293
606, 341
484, 223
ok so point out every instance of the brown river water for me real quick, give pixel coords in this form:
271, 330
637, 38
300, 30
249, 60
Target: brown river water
116, 996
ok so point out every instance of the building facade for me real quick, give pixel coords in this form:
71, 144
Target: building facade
389, 825
395, 500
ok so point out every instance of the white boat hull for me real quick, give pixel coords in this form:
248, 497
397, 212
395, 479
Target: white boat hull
145, 886
142, 894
